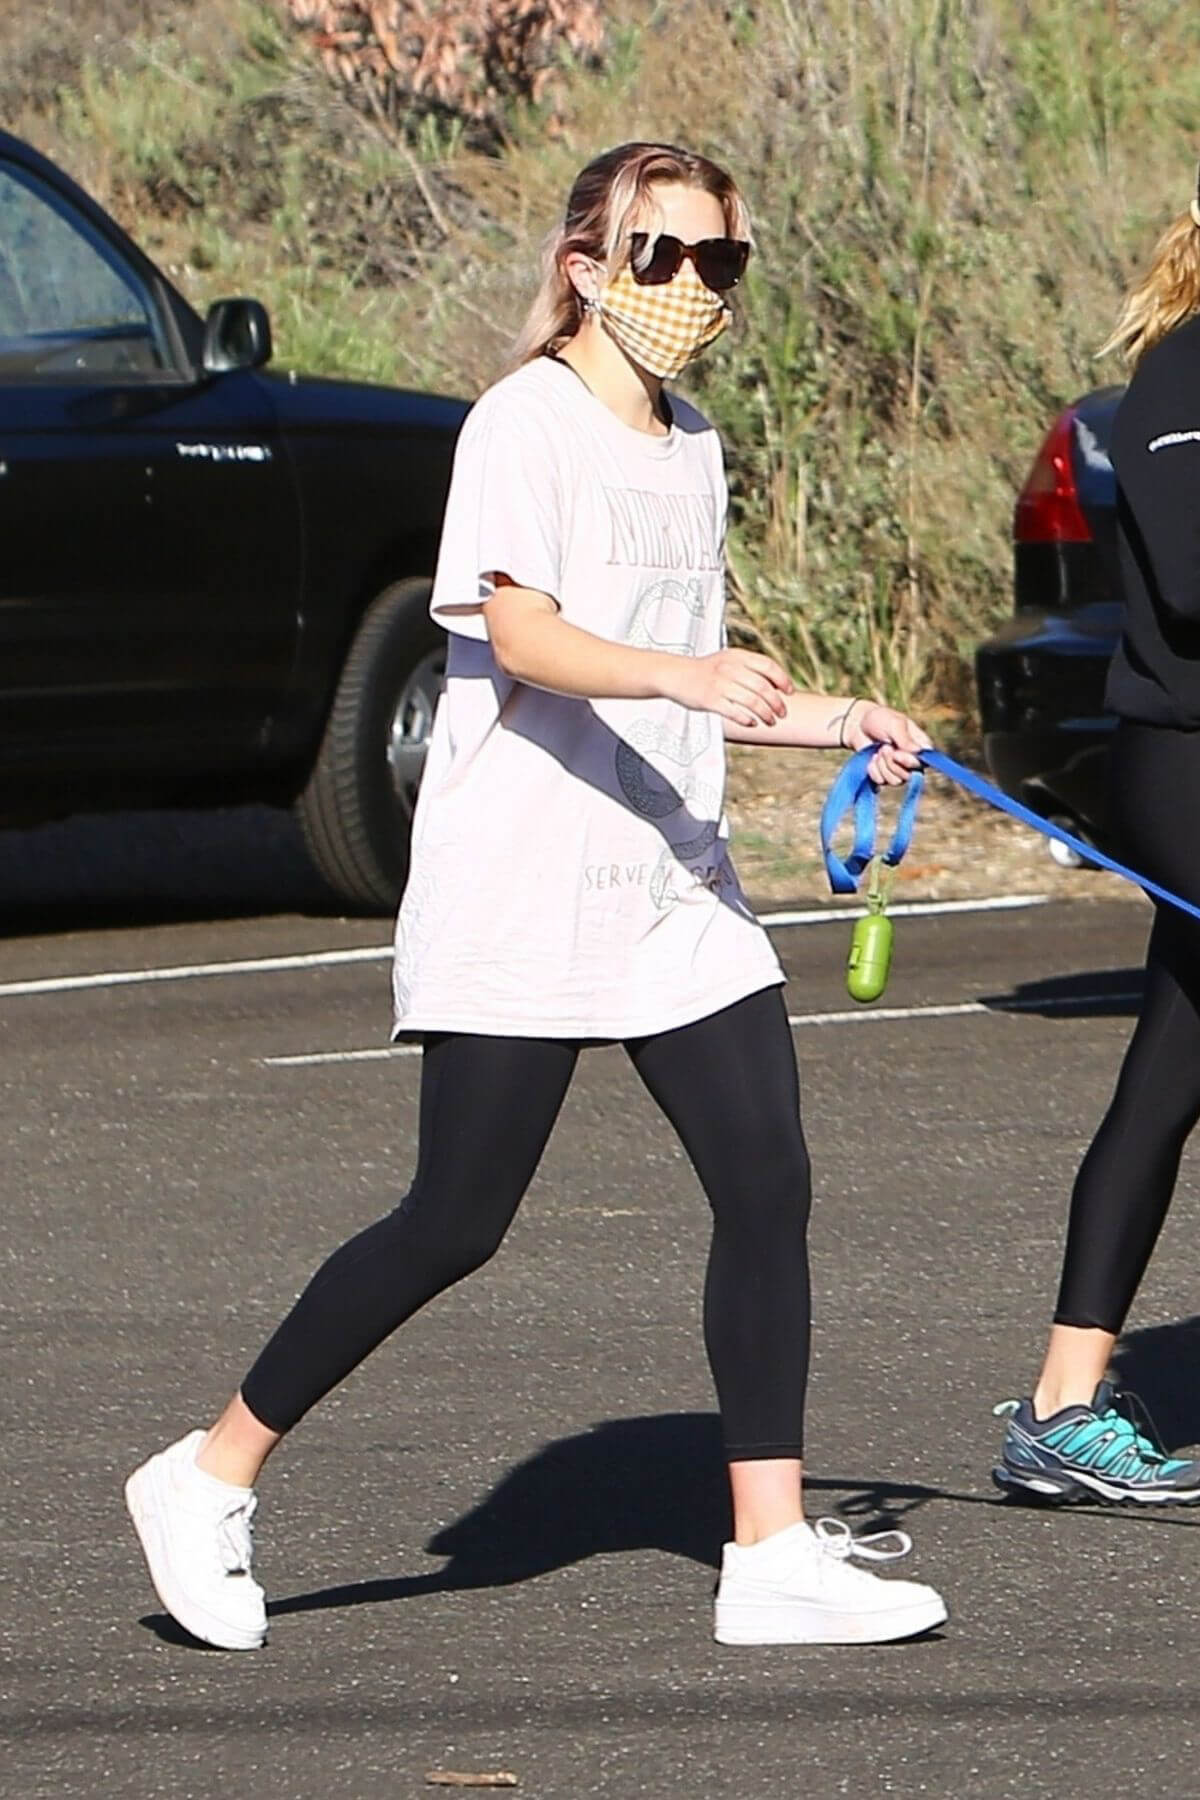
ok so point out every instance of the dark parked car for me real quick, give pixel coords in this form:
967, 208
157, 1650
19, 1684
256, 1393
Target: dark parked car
1041, 677
214, 580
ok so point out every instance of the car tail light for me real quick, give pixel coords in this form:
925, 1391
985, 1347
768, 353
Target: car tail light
1048, 509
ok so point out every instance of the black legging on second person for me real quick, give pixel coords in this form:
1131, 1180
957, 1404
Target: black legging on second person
728, 1085
1127, 1178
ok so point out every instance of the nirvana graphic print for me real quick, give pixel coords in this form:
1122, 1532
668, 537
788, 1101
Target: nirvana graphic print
570, 862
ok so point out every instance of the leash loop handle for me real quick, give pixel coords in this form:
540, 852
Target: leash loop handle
853, 789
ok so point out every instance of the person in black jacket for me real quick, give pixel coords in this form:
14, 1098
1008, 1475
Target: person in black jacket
1073, 1438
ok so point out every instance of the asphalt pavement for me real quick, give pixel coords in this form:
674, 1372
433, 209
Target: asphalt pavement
494, 1548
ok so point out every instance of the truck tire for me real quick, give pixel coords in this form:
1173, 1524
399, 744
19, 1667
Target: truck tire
356, 808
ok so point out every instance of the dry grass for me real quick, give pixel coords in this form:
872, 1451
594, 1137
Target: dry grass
949, 195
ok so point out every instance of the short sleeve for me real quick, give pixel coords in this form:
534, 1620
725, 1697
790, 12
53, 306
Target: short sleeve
504, 515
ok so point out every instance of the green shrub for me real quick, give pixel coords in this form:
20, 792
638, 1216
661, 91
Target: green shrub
949, 197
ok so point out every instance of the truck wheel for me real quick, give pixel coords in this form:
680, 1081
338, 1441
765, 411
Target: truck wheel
356, 809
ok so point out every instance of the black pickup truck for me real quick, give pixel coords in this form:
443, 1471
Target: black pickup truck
1040, 678
213, 580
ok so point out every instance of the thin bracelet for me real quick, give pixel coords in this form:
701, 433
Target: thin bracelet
844, 721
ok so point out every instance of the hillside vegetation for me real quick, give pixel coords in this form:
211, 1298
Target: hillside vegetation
949, 197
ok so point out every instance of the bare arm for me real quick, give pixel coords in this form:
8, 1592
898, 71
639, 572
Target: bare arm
753, 696
821, 722
533, 643
810, 722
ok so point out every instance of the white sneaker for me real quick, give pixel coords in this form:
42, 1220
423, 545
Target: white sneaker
799, 1587
196, 1534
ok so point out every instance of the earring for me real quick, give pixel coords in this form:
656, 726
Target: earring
591, 306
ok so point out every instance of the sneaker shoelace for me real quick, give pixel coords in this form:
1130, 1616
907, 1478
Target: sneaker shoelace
235, 1536
837, 1540
1138, 1424
1122, 1419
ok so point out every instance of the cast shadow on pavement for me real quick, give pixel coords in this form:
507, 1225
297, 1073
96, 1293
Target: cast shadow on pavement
1161, 1365
1094, 994
655, 1483
146, 868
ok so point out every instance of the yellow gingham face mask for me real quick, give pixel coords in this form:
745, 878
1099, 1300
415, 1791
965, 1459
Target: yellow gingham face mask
662, 327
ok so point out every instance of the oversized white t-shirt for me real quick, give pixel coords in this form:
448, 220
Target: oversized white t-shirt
570, 871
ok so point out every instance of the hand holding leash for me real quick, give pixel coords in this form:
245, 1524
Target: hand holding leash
855, 789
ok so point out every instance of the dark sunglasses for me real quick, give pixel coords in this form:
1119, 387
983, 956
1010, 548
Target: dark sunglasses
719, 262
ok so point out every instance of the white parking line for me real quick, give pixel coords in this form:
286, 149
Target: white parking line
382, 1054
906, 909
328, 959
861, 1015
257, 965
867, 1015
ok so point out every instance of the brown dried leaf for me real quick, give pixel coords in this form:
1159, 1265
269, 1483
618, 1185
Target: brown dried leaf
463, 55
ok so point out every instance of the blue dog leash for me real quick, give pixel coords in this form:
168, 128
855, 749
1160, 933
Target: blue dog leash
853, 789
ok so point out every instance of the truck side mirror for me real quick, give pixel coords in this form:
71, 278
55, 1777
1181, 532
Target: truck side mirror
237, 335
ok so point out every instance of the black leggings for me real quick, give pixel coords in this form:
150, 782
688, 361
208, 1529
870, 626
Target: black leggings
1127, 1178
727, 1084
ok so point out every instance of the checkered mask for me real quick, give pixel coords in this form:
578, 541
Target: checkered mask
664, 326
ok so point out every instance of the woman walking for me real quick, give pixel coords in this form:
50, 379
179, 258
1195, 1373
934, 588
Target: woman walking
1073, 1439
571, 883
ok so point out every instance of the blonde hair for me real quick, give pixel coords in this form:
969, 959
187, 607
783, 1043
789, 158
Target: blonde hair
604, 197
1166, 295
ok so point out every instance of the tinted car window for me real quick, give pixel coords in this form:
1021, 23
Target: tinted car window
69, 307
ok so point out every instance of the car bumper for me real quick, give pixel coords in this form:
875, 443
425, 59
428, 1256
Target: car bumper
1046, 731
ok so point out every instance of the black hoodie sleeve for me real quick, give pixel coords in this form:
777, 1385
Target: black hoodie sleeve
1155, 674
1156, 454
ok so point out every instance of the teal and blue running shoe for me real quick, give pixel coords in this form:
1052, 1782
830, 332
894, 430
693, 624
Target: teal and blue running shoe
1091, 1452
